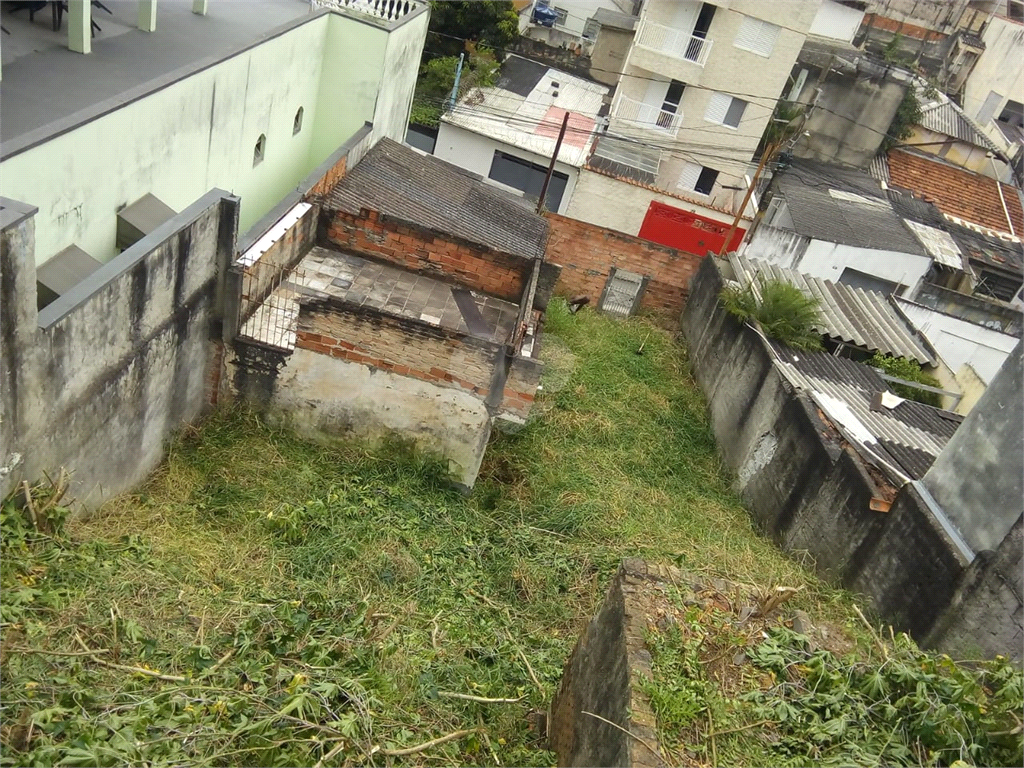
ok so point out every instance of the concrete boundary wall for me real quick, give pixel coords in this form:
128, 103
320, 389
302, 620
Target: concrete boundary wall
100, 378
811, 493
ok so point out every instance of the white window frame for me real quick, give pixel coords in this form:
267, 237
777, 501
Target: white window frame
766, 33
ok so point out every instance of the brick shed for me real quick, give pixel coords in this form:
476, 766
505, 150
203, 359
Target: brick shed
414, 311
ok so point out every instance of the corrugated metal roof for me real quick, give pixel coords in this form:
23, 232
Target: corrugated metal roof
854, 316
908, 436
940, 245
947, 119
879, 169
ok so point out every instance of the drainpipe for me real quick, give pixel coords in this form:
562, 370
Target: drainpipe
455, 88
999, 186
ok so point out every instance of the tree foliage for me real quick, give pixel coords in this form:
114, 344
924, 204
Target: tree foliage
908, 114
491, 23
782, 310
437, 78
910, 370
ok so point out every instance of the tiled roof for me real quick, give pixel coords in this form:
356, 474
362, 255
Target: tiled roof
947, 118
401, 182
907, 437
956, 191
864, 319
845, 206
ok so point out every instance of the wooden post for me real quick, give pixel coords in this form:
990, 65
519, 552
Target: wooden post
554, 157
769, 152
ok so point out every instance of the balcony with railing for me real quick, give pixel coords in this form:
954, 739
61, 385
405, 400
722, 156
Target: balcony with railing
644, 116
673, 42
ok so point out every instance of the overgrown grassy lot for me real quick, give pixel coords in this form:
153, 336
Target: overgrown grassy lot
263, 600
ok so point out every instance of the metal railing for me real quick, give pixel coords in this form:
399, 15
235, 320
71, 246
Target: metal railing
673, 42
646, 115
269, 308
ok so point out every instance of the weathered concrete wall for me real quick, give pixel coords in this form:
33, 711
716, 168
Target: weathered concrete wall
609, 54
333, 399
356, 371
602, 676
102, 375
987, 615
851, 114
974, 309
805, 488
977, 478
587, 254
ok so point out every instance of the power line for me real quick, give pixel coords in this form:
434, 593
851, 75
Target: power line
774, 99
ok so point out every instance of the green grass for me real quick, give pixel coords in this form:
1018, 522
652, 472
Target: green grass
318, 596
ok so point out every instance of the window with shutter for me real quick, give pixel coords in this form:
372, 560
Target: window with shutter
756, 36
718, 107
688, 178
591, 29
697, 178
725, 110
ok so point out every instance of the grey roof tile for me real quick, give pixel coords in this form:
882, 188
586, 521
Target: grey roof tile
402, 183
843, 205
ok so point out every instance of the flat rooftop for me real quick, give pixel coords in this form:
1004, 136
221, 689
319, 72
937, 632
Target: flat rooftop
44, 82
325, 273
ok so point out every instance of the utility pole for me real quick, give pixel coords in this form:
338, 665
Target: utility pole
455, 88
769, 153
554, 157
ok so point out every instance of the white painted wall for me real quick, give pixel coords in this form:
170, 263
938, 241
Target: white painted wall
960, 342
200, 132
622, 206
729, 70
828, 260
474, 152
998, 69
837, 22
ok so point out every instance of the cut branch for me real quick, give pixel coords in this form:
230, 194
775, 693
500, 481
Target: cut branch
428, 744
481, 699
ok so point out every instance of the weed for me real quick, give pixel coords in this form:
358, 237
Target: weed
782, 310
298, 598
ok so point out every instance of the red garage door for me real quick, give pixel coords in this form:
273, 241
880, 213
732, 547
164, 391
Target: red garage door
686, 231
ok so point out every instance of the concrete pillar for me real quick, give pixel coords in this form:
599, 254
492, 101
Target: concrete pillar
200, 6
80, 26
147, 15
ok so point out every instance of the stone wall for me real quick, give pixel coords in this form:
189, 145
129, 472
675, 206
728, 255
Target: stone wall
97, 380
586, 253
811, 493
602, 677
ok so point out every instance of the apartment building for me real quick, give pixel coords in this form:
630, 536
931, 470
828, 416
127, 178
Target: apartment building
698, 88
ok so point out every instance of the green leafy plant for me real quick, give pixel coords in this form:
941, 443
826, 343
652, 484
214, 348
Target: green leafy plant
678, 691
911, 708
437, 78
908, 370
783, 311
908, 114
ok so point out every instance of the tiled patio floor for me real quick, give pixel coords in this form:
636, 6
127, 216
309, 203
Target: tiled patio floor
392, 290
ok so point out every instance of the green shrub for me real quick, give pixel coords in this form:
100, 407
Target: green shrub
783, 312
909, 370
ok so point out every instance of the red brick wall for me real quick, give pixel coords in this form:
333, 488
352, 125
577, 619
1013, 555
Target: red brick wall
332, 177
587, 253
403, 347
429, 253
